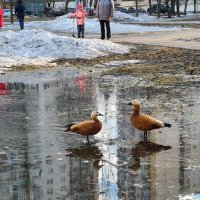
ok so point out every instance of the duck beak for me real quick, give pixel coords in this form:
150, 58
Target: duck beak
129, 103
100, 114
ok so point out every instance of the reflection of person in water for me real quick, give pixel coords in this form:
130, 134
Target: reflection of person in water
3, 89
145, 148
81, 81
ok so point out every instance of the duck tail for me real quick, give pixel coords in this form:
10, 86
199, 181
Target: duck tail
68, 127
167, 125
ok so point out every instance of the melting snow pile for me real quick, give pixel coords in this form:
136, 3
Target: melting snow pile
38, 47
120, 16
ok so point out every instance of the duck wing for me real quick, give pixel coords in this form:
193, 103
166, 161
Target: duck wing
146, 122
89, 127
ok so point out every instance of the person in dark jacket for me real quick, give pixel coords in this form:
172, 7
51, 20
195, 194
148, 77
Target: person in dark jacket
104, 13
20, 12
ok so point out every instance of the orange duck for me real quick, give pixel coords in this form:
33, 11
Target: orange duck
88, 127
144, 122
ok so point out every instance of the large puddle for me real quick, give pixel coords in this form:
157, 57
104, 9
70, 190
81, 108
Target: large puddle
38, 160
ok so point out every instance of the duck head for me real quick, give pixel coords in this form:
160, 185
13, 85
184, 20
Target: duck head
94, 115
135, 104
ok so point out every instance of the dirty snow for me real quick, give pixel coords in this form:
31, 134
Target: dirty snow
120, 16
40, 46
190, 197
119, 63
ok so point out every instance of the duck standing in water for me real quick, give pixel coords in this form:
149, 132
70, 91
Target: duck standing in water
88, 127
144, 122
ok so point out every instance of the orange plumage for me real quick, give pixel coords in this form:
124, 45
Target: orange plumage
144, 122
88, 127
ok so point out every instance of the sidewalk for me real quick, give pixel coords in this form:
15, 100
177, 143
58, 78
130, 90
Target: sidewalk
189, 39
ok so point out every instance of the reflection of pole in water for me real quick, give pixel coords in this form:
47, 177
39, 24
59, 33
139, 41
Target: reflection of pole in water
106, 101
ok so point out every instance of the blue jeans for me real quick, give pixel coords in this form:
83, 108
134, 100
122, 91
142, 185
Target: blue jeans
21, 22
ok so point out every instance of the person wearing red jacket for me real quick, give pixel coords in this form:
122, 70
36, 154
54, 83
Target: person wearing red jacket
80, 15
1, 17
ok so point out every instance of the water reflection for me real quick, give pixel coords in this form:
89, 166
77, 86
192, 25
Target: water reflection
82, 82
33, 161
145, 148
87, 166
86, 152
3, 89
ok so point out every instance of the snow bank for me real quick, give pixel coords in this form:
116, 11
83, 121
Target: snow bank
39, 47
120, 16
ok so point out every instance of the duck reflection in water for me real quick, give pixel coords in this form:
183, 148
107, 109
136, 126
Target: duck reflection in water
143, 149
87, 152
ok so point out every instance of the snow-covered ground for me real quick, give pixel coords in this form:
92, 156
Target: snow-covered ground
39, 43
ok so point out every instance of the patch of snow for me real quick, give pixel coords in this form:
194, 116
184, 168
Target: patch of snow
38, 47
190, 197
120, 16
190, 39
116, 63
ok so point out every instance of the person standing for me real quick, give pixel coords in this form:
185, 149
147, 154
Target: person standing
104, 13
1, 17
20, 12
80, 15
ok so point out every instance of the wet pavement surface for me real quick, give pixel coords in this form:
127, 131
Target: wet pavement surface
38, 160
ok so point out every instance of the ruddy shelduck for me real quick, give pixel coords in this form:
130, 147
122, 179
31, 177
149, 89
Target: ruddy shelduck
88, 127
144, 122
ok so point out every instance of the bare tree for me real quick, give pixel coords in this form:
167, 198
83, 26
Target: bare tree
178, 7
66, 5
195, 6
185, 9
168, 10
173, 3
150, 4
136, 6
158, 8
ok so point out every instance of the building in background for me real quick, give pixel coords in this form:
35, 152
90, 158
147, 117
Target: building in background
33, 7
